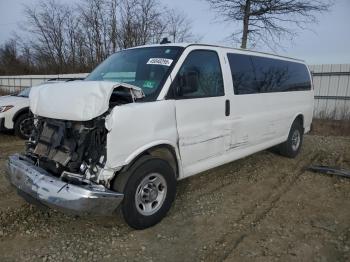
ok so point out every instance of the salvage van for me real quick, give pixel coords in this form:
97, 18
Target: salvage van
151, 115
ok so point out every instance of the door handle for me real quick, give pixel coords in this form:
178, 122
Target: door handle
227, 107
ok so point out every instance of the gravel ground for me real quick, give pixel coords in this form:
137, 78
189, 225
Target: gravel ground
263, 208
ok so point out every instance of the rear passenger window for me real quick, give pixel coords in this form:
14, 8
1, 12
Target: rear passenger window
199, 76
267, 75
243, 75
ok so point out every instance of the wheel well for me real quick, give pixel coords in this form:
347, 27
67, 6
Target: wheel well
19, 113
300, 119
165, 152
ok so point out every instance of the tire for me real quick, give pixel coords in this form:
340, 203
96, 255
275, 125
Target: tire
292, 146
23, 125
149, 189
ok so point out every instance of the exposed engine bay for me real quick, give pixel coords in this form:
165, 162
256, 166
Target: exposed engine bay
75, 150
65, 148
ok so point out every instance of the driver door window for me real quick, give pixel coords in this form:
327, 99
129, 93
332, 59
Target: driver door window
199, 76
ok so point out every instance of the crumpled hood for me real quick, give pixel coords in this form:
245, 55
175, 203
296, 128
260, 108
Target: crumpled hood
75, 101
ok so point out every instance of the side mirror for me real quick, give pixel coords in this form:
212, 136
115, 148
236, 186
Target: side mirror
189, 82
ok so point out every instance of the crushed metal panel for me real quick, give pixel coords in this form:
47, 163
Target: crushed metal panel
75, 101
134, 128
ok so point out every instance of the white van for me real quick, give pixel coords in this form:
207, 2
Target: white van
151, 115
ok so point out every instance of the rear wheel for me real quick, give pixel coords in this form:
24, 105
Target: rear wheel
149, 189
24, 125
292, 146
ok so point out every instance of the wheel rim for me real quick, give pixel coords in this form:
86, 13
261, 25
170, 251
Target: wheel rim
150, 194
296, 140
26, 126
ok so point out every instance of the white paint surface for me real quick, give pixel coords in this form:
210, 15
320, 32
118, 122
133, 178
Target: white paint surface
17, 102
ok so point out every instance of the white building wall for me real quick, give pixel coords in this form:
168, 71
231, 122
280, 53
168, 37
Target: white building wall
332, 91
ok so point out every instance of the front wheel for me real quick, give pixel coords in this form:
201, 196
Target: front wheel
24, 125
149, 190
292, 146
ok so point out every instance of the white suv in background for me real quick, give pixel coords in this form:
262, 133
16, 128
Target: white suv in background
15, 114
14, 110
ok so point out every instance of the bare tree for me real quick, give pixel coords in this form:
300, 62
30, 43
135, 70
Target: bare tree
113, 9
141, 22
72, 40
95, 26
268, 20
148, 19
127, 21
47, 23
13, 60
179, 26
75, 37
9, 56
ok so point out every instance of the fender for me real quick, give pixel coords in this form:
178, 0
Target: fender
19, 112
295, 117
137, 153
141, 150
133, 129
148, 146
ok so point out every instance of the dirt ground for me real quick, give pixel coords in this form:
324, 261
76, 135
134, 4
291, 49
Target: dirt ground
263, 208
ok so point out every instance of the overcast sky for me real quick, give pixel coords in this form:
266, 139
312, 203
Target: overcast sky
328, 42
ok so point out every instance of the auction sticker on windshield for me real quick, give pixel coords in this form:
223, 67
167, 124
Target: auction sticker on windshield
159, 61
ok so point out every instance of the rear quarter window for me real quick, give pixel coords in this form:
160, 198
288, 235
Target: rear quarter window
273, 75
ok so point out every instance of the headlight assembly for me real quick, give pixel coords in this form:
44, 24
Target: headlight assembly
5, 108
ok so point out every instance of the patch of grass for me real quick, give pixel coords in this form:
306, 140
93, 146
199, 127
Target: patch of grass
327, 127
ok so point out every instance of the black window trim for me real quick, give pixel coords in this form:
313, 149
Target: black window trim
171, 93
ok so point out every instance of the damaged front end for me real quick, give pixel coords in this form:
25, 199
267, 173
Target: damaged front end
38, 186
74, 151
64, 165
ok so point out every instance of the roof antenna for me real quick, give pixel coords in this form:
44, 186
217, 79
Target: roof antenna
165, 41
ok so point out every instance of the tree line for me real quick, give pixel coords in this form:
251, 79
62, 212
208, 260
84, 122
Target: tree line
69, 38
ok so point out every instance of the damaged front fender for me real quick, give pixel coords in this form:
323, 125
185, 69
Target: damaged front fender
133, 129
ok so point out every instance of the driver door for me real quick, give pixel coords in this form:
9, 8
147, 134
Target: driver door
201, 111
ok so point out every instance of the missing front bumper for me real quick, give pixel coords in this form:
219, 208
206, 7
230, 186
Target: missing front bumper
50, 191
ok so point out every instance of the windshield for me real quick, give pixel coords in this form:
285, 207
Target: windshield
146, 68
24, 92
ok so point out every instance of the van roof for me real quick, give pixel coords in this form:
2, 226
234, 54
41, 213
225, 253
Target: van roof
223, 47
